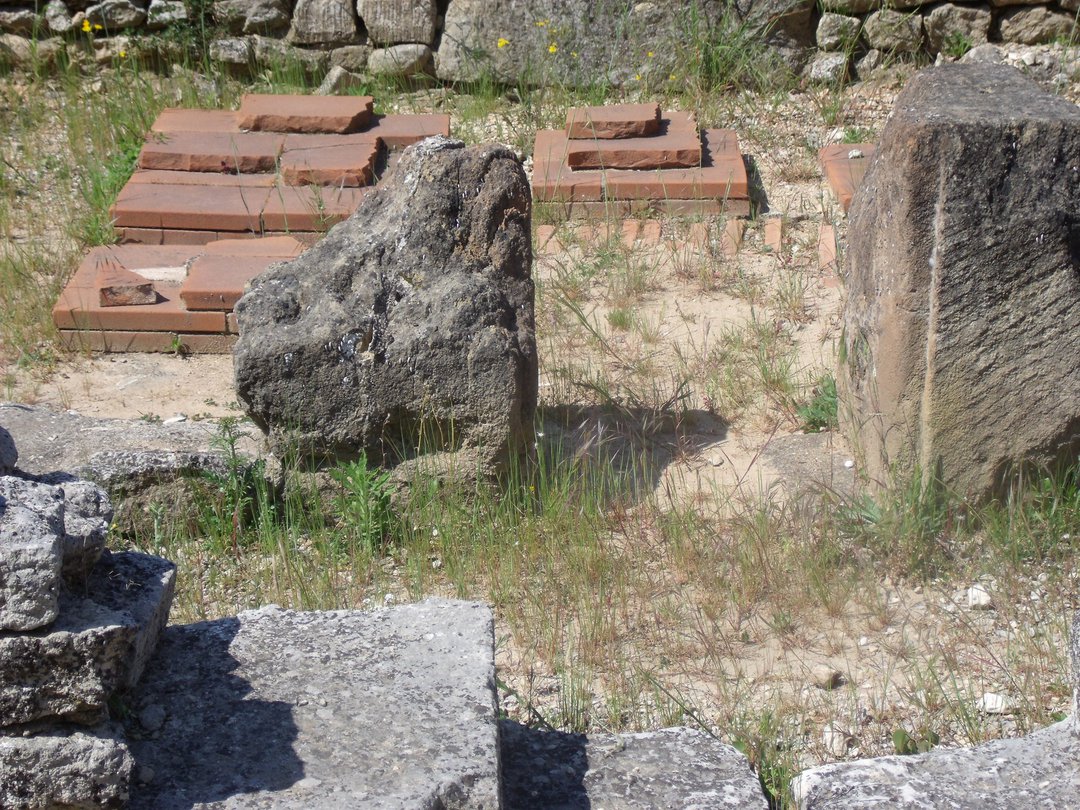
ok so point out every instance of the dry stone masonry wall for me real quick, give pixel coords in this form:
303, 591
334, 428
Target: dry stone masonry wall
536, 41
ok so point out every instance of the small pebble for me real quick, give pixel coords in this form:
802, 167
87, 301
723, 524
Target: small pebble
978, 598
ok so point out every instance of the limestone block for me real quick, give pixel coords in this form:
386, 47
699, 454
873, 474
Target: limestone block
253, 16
400, 60
836, 32
30, 564
68, 767
324, 22
969, 24
962, 325
274, 708
392, 22
100, 643
58, 17
18, 19
115, 15
828, 68
236, 53
894, 31
163, 13
1036, 25
351, 57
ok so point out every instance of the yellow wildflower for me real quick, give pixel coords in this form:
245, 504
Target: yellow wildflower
573, 54
86, 26
671, 78
123, 54
650, 54
98, 26
553, 48
541, 23
502, 43
637, 77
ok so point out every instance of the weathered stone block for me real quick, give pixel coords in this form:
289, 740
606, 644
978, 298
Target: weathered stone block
1036, 24
400, 60
30, 562
100, 643
392, 22
409, 327
68, 768
894, 31
962, 325
949, 22
324, 22
9, 454
275, 708
837, 32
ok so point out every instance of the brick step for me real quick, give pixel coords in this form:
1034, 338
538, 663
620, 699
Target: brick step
613, 121
844, 165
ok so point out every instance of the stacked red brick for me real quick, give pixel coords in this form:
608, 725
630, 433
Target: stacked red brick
631, 157
280, 164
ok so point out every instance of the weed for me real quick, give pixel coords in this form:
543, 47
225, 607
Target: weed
363, 506
820, 411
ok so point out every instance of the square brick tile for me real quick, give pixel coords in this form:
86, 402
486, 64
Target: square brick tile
278, 247
722, 175
827, 248
774, 234
309, 208
78, 308
215, 179
552, 178
216, 282
613, 121
135, 257
119, 341
293, 113
178, 236
176, 119
119, 287
844, 165
398, 131
329, 160
238, 152
662, 151
140, 236
196, 208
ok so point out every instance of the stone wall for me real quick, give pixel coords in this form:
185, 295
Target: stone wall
537, 41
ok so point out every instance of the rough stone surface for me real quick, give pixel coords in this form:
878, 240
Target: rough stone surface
1040, 770
68, 768
351, 57
828, 68
31, 532
9, 455
253, 16
115, 15
236, 53
390, 22
57, 17
400, 60
894, 31
1030, 26
836, 32
409, 325
18, 20
163, 13
851, 6
393, 708
961, 327
323, 22
968, 24
100, 642
270, 52
339, 80
675, 768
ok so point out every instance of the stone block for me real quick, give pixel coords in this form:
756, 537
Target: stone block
960, 330
397, 131
844, 166
176, 119
217, 282
662, 151
64, 768
9, 454
309, 208
324, 22
894, 31
304, 114
30, 558
401, 60
225, 152
330, 160
390, 22
1036, 25
613, 121
392, 708
119, 287
100, 642
837, 32
969, 24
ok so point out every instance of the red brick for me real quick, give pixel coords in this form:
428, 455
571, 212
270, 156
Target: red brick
292, 113
141, 236
631, 228
216, 282
827, 248
278, 247
553, 180
119, 287
176, 119
651, 231
78, 308
305, 238
217, 179
774, 234
243, 152
175, 236
723, 176
329, 160
194, 208
398, 131
613, 121
731, 239
844, 173
309, 208
663, 151
120, 341
134, 257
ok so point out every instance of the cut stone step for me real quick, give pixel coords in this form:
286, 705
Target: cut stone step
111, 340
216, 179
315, 114
78, 308
844, 165
398, 131
187, 207
613, 121
177, 119
239, 152
661, 151
309, 208
345, 709
119, 287
329, 160
216, 282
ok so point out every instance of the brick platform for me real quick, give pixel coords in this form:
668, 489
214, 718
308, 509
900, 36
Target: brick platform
679, 169
194, 290
844, 165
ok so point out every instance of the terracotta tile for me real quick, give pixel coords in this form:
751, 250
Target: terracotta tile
309, 208
663, 151
398, 131
216, 282
631, 229
827, 248
120, 341
545, 239
613, 121
119, 287
78, 308
305, 238
294, 113
553, 180
699, 234
723, 175
690, 208
173, 236
731, 238
179, 178
135, 257
283, 247
142, 236
239, 152
774, 234
651, 231
329, 160
177, 119
844, 168
193, 208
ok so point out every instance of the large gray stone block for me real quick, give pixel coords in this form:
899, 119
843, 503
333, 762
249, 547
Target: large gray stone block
670, 769
102, 639
346, 709
30, 565
9, 455
962, 325
390, 22
408, 328
64, 768
324, 22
